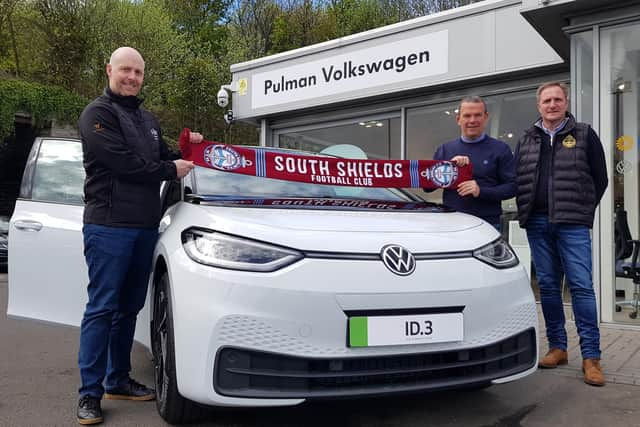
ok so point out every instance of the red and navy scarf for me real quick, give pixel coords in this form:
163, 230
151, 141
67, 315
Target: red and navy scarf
323, 170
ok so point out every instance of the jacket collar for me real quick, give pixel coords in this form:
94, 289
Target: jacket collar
568, 127
466, 140
130, 102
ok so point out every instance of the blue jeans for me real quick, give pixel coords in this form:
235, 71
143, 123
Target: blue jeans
558, 248
119, 262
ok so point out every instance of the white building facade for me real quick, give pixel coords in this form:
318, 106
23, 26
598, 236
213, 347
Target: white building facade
394, 91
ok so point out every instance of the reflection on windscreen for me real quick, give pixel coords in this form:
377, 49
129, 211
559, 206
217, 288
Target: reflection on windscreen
213, 182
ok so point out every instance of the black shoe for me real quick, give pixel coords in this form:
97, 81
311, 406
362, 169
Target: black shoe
132, 390
89, 411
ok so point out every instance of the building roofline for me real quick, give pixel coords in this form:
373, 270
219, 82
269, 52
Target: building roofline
423, 21
551, 17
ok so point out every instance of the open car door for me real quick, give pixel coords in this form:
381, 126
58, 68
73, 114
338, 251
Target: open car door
47, 271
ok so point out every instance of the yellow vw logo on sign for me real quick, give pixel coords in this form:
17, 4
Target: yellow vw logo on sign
624, 143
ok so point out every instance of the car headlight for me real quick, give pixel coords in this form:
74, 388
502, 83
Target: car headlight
497, 254
235, 253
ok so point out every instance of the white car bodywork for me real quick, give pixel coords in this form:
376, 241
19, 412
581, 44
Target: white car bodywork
299, 312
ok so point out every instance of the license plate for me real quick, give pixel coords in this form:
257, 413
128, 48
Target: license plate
374, 331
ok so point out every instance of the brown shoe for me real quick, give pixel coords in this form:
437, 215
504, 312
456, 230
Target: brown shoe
553, 358
593, 372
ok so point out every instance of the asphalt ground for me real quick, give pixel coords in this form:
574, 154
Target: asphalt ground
39, 380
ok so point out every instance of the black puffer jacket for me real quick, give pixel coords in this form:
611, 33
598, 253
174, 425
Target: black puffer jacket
125, 160
577, 175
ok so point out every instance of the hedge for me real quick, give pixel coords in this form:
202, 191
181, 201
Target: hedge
42, 102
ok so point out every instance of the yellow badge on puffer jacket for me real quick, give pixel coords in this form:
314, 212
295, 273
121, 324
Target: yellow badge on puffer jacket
569, 141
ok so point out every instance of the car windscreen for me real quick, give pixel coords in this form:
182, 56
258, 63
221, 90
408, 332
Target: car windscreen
213, 182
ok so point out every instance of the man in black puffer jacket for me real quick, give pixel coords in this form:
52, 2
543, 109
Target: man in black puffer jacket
561, 177
125, 160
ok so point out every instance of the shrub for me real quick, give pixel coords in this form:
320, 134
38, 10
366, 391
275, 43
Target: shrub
42, 102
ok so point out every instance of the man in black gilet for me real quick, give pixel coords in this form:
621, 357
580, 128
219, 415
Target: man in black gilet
561, 177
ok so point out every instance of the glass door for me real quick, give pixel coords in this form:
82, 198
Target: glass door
620, 114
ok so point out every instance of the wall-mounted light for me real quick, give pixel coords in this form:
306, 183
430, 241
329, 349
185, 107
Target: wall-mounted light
620, 85
371, 123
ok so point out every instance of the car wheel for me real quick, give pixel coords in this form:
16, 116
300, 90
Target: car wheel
172, 407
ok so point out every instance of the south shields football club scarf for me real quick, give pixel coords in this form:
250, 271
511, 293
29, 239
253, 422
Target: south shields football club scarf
323, 169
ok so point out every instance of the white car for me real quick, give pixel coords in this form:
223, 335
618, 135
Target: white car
269, 293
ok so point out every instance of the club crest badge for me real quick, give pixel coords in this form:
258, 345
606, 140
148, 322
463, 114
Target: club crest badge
223, 157
154, 134
569, 141
443, 174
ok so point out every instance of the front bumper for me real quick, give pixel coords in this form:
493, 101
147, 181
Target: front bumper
249, 339
253, 374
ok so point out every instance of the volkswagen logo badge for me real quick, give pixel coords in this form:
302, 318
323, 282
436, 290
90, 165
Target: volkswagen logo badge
398, 260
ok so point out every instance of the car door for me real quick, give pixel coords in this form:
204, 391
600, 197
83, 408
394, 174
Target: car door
47, 272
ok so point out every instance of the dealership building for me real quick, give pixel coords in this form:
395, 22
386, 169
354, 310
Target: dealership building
394, 92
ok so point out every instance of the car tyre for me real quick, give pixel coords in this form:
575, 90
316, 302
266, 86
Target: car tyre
172, 407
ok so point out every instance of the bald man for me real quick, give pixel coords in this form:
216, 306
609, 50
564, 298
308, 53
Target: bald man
125, 160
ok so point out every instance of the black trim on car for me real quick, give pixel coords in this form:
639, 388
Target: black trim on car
351, 256
249, 373
405, 311
26, 184
376, 256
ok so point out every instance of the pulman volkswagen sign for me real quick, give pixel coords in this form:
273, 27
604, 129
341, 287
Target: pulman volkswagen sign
384, 64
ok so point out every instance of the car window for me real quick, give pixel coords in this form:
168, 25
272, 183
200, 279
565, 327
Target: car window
4, 224
170, 193
219, 183
59, 174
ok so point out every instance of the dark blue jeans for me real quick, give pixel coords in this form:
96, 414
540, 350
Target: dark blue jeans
119, 262
558, 248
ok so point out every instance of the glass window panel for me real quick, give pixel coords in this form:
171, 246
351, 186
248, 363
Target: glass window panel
620, 97
427, 128
583, 66
379, 138
59, 174
510, 115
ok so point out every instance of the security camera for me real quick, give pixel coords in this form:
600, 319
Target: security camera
223, 97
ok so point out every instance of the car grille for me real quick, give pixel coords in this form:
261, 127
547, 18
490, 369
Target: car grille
246, 373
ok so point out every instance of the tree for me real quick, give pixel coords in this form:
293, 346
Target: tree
6, 19
203, 21
301, 23
252, 25
66, 26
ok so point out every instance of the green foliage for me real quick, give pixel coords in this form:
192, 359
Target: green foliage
189, 99
43, 102
301, 25
66, 26
202, 21
188, 47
